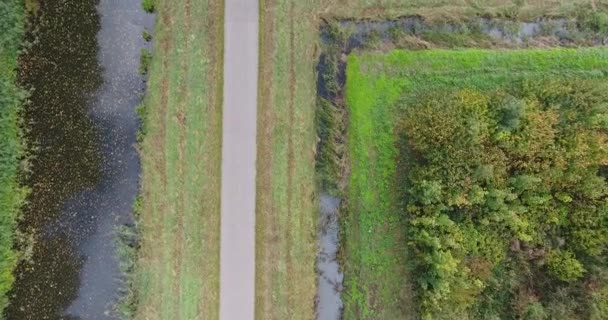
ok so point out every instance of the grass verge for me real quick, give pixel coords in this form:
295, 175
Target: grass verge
285, 211
178, 266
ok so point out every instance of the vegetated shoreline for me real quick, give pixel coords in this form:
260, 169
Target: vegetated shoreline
128, 236
341, 37
12, 97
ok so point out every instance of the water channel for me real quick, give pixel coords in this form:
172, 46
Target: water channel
81, 129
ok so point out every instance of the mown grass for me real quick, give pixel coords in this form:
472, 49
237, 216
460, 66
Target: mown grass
12, 22
177, 273
375, 252
285, 211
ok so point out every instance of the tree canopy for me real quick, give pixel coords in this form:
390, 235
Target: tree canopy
504, 192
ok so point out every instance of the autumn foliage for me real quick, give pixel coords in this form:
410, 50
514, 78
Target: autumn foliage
505, 196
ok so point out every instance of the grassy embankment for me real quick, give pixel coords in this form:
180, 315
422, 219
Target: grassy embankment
285, 225
12, 22
286, 187
177, 273
376, 85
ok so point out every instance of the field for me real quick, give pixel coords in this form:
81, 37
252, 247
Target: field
286, 207
390, 271
378, 90
179, 212
12, 16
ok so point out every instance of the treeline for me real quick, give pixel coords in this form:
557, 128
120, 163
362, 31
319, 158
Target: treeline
506, 200
12, 17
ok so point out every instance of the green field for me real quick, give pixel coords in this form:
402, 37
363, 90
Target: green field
12, 16
416, 239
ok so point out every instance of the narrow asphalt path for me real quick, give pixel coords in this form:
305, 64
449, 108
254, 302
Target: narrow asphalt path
237, 253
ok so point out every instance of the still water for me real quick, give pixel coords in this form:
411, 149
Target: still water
330, 277
81, 129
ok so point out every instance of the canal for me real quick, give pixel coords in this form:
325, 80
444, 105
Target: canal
81, 126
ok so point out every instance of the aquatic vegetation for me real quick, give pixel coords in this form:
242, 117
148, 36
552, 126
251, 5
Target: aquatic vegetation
146, 35
145, 58
11, 145
148, 5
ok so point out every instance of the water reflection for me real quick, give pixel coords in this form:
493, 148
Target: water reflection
330, 278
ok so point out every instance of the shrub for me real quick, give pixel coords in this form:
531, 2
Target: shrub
460, 182
599, 305
535, 311
564, 266
142, 113
144, 61
596, 21
127, 248
146, 35
148, 5
496, 171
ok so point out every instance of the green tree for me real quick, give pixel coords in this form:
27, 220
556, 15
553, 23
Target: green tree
564, 266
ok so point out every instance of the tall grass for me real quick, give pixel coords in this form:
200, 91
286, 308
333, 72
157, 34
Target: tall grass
127, 247
145, 58
12, 17
330, 123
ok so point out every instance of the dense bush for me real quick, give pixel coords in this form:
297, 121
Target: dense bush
506, 200
11, 98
